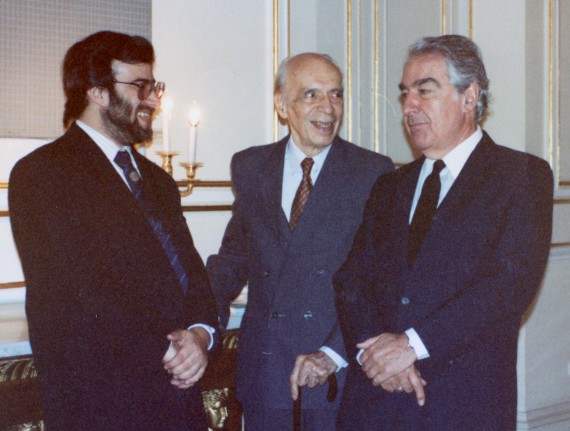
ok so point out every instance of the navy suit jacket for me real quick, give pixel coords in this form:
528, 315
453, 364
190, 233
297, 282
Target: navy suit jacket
101, 294
480, 266
290, 309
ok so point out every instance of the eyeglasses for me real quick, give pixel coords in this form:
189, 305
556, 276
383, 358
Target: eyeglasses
146, 88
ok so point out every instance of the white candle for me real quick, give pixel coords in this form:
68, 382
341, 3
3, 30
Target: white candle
193, 119
166, 106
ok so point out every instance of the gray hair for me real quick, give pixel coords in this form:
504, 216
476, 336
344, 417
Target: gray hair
464, 63
283, 70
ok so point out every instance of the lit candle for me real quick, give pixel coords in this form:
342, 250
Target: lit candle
166, 106
193, 119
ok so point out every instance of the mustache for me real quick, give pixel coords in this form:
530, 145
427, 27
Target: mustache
413, 120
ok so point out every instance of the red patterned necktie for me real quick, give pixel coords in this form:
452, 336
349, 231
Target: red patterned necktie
303, 192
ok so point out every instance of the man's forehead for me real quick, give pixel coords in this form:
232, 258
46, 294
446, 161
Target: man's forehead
137, 70
428, 68
314, 74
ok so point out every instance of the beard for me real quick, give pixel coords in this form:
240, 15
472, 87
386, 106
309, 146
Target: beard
120, 122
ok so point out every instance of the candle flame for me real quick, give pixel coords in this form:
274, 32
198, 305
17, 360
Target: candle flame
166, 102
194, 116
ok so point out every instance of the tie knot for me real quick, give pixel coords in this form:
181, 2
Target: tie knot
438, 166
123, 159
307, 165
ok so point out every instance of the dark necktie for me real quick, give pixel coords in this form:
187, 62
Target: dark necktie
425, 210
123, 160
303, 192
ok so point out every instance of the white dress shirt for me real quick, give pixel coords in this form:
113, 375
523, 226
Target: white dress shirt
454, 162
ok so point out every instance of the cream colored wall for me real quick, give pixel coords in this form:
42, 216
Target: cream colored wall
222, 54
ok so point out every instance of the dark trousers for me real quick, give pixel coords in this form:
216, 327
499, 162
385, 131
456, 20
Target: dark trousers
262, 418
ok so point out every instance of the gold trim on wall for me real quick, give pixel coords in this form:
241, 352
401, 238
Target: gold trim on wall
551, 89
470, 19
376, 84
12, 285
275, 61
443, 16
349, 69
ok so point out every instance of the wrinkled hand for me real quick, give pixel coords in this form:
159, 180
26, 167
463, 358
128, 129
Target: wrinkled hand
386, 356
407, 381
310, 370
187, 356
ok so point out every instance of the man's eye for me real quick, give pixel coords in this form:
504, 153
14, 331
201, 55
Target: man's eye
310, 95
425, 91
337, 94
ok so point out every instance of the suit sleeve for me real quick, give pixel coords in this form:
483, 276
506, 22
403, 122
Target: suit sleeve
513, 272
355, 281
228, 270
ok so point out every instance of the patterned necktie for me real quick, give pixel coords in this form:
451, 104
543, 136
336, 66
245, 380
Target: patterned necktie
123, 160
425, 210
303, 192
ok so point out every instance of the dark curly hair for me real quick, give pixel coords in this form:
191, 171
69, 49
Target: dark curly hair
87, 64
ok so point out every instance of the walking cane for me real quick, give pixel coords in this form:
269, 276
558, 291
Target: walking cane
297, 411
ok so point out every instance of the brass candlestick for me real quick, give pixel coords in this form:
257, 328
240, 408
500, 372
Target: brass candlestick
191, 169
167, 160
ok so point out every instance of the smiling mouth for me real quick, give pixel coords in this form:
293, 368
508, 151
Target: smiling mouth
324, 126
146, 116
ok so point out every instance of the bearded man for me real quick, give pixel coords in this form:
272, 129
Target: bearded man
113, 279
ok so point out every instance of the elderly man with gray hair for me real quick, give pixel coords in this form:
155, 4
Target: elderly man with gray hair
450, 255
298, 205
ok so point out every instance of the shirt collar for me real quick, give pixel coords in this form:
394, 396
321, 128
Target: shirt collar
296, 156
456, 158
107, 145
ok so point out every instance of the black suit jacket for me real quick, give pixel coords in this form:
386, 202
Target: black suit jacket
480, 266
290, 309
101, 294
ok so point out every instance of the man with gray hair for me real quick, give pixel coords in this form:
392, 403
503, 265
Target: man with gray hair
450, 255
298, 205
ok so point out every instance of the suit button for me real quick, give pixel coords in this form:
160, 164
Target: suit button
266, 273
276, 315
321, 272
405, 300
308, 314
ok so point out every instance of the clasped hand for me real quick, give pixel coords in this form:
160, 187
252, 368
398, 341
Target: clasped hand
310, 370
187, 356
388, 361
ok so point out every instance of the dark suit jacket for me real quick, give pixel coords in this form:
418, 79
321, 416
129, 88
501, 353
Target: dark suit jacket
479, 269
101, 294
290, 308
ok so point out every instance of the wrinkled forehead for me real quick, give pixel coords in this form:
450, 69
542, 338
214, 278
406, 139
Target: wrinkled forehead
132, 72
422, 67
316, 70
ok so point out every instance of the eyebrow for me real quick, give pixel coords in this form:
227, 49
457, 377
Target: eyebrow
420, 82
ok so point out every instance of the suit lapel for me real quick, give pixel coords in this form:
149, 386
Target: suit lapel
271, 181
466, 187
332, 178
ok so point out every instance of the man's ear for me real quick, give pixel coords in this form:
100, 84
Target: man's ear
280, 101
471, 97
99, 96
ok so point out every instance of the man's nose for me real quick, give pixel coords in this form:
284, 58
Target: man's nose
409, 104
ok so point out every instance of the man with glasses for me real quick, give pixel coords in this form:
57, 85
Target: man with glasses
119, 307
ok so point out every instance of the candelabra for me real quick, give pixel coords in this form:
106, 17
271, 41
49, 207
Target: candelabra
185, 186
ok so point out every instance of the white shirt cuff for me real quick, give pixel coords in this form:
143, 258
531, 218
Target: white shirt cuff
337, 359
358, 355
208, 328
417, 344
